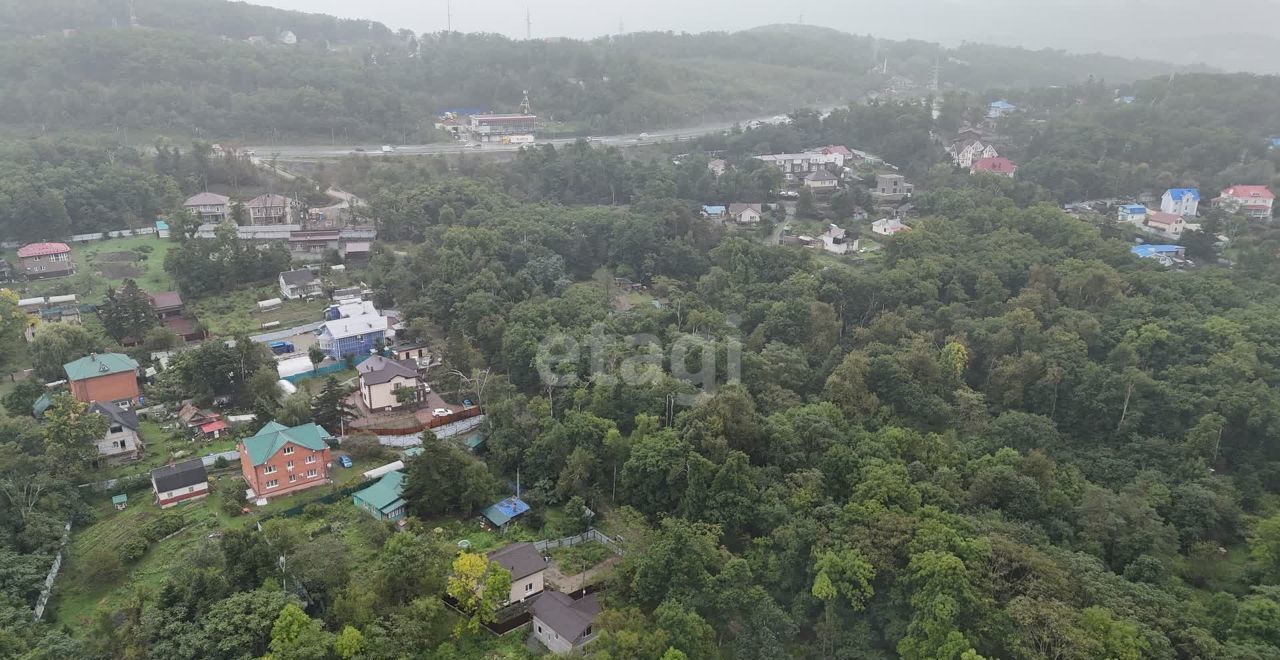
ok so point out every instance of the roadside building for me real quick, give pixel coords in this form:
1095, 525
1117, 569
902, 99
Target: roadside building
208, 207
358, 335
1253, 201
269, 209
381, 378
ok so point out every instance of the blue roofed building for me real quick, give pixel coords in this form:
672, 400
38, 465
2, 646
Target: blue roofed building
1165, 254
714, 211
1275, 143
1135, 213
1000, 108
1181, 201
358, 335
501, 514
382, 500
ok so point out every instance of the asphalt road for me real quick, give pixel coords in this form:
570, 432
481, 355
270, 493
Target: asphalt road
305, 152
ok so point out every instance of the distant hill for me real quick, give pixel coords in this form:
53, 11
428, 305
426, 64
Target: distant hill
233, 70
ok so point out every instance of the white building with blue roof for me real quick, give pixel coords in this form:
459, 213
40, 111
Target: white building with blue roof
1135, 213
1181, 201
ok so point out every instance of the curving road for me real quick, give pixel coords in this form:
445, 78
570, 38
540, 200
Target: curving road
310, 152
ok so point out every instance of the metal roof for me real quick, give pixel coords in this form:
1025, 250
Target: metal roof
101, 364
274, 436
503, 512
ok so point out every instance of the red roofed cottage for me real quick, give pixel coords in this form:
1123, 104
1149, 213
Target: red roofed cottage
41, 260
1253, 201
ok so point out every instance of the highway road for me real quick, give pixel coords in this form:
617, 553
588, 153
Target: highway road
314, 152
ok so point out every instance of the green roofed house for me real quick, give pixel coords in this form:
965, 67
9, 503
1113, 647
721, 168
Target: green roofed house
110, 377
382, 500
279, 460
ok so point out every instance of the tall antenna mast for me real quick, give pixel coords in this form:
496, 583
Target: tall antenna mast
622, 27
448, 16
528, 24
937, 76
526, 107
133, 16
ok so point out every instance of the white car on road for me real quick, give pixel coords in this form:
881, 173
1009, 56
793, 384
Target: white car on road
441, 412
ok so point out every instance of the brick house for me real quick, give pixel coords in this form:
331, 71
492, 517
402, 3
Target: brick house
110, 377
281, 461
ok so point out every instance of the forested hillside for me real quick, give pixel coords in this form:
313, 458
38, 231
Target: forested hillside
188, 70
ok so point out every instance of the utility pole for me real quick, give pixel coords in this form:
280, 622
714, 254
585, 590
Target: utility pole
133, 16
448, 16
528, 24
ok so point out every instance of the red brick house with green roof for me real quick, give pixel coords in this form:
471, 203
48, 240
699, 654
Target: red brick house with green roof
282, 461
107, 377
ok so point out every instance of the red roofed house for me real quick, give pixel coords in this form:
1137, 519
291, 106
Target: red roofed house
1253, 201
1169, 223
997, 165
41, 260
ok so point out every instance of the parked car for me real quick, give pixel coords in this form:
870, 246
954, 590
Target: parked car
345, 461
441, 412
467, 403
281, 347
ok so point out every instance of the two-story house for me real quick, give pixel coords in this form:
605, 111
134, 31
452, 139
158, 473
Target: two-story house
1181, 201
209, 207
301, 283
358, 335
1132, 213
380, 378
110, 377
527, 566
269, 209
562, 624
121, 444
966, 151
280, 461
1253, 201
794, 166
821, 181
893, 187
836, 241
1170, 224
42, 260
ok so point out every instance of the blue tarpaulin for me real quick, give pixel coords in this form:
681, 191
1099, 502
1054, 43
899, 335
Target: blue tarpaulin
503, 512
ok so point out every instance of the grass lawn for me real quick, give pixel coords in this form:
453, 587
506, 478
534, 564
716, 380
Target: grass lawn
578, 558
101, 265
77, 594
161, 447
312, 386
237, 312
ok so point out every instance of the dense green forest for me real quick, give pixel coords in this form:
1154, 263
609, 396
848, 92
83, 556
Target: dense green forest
350, 80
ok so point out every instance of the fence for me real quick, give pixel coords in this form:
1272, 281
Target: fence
420, 426
585, 537
326, 369
115, 233
53, 574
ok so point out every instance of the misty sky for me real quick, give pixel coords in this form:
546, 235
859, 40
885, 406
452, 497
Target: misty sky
1088, 24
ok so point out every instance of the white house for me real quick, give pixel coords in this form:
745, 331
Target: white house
380, 378
821, 181
176, 483
966, 151
563, 624
527, 566
1253, 201
209, 207
746, 213
1135, 213
795, 166
1181, 201
121, 444
888, 227
835, 241
295, 284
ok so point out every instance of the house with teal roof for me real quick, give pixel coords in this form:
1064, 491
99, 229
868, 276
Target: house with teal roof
280, 460
383, 499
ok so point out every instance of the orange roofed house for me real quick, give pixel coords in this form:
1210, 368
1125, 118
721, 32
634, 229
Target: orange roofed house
281, 461
104, 377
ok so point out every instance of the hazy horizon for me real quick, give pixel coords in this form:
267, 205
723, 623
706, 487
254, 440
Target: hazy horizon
1133, 28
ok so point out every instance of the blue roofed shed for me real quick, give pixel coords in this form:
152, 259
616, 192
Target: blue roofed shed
505, 511
714, 211
1155, 251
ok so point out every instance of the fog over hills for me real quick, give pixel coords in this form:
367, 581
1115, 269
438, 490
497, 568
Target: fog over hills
1232, 34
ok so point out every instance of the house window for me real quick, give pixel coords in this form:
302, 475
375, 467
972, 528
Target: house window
273, 483
117, 428
191, 489
528, 587
311, 473
270, 469
539, 629
288, 465
310, 459
293, 478
287, 451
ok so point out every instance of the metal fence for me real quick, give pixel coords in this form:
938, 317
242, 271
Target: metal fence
43, 600
585, 537
115, 233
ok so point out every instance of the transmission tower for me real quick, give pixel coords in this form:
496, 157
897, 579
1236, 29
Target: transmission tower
133, 16
526, 107
528, 24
